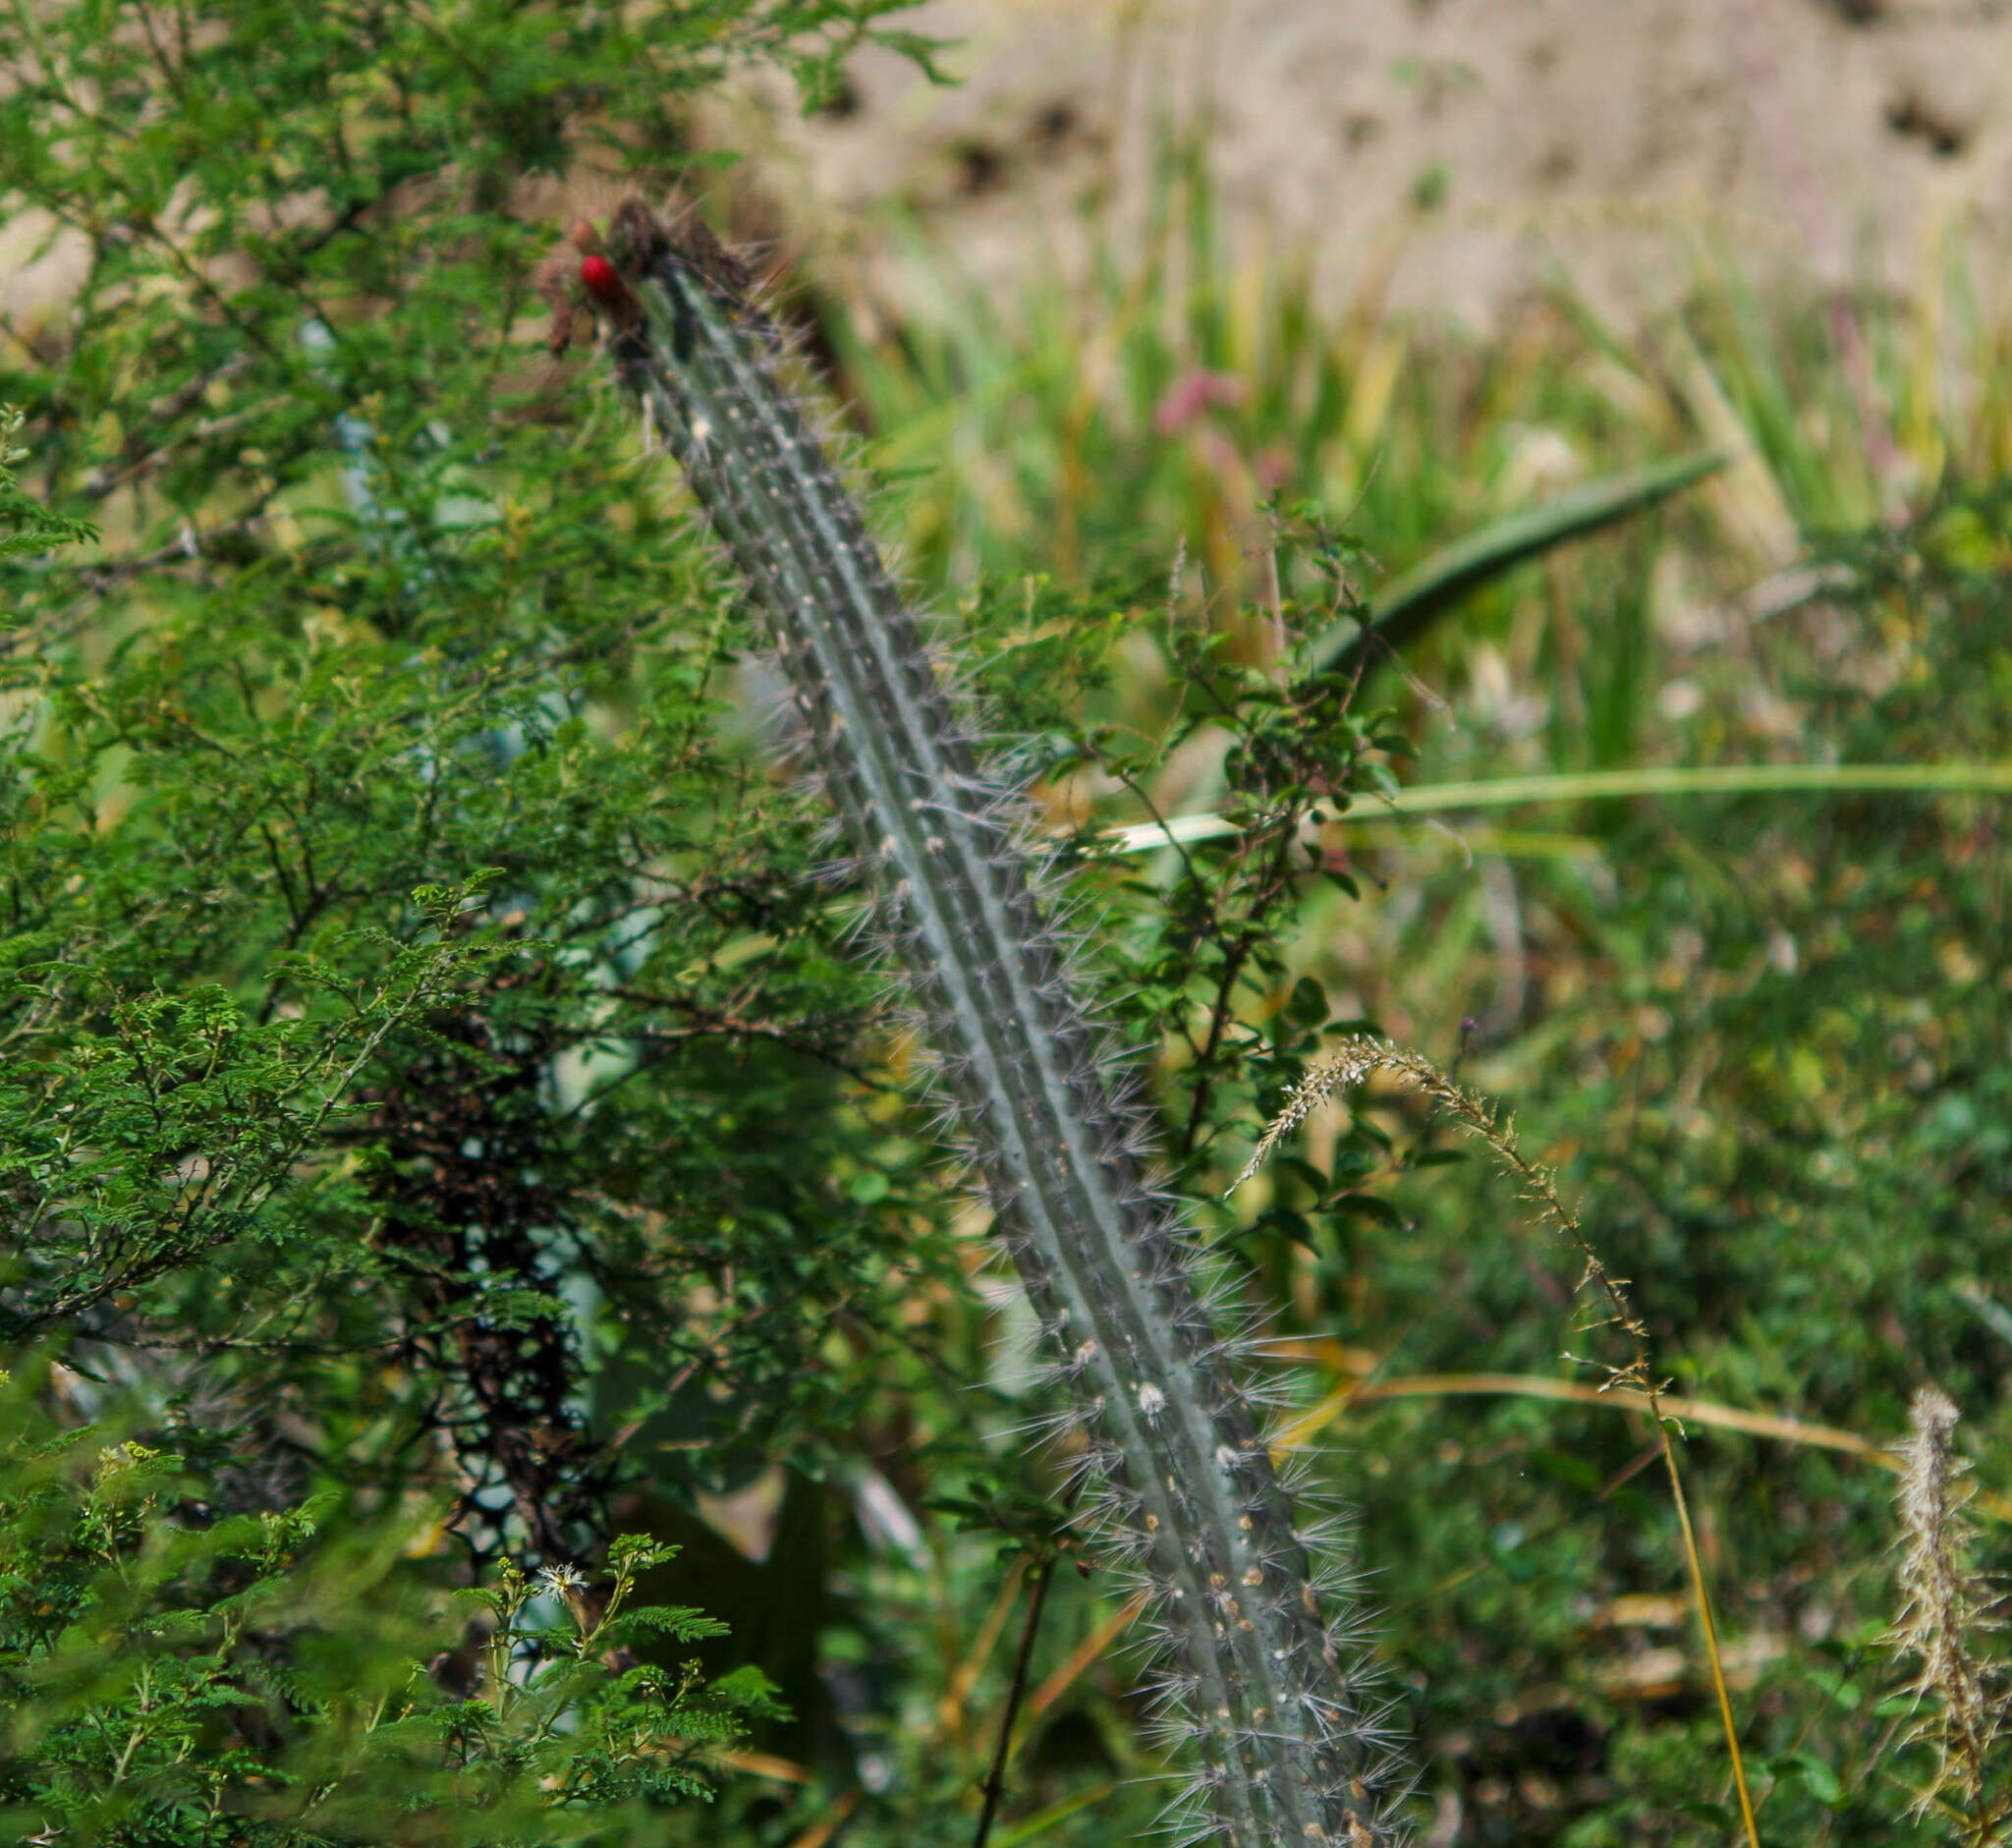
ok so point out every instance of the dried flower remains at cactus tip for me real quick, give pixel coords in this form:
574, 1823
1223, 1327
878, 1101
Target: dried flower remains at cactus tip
598, 276
571, 279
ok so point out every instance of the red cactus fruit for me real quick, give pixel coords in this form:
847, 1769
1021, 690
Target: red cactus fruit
598, 277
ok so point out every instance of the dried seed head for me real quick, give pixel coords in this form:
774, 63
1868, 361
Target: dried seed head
1352, 1061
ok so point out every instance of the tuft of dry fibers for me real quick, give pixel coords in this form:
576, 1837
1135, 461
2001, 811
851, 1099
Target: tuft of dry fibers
1942, 1611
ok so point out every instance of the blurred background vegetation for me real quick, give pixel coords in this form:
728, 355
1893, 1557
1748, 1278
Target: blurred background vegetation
446, 1125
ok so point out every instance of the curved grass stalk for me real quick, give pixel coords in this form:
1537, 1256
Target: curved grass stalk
1261, 1688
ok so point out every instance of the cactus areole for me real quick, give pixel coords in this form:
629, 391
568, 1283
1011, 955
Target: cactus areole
1257, 1685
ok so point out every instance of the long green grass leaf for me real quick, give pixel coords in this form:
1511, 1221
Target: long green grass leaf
1406, 607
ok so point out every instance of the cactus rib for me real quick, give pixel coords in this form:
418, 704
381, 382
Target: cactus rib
1185, 1488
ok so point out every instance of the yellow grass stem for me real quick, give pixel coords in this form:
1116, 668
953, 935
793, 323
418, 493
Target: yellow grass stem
1708, 1625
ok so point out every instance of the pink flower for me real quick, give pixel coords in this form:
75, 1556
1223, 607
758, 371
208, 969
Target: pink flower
1191, 394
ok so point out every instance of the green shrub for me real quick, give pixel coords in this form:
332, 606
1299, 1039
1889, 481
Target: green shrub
172, 1673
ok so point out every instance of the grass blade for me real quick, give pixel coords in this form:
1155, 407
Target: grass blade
1706, 779
1406, 607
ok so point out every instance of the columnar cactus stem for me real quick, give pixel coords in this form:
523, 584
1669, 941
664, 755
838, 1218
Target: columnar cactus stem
1185, 1489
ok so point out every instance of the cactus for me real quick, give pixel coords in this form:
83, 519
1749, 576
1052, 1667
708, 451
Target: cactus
1267, 1696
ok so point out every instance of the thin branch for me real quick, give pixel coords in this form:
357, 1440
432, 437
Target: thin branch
995, 1779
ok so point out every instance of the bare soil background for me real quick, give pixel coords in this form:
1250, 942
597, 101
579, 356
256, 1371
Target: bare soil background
1455, 150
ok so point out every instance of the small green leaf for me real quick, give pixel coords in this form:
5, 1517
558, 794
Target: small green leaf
1366, 1206
1814, 1772
1561, 1466
1307, 1004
